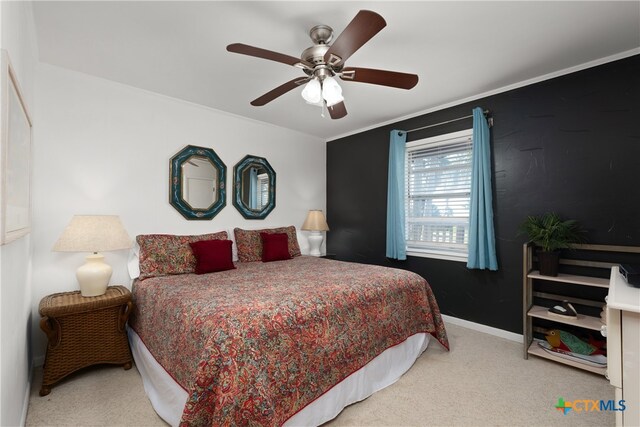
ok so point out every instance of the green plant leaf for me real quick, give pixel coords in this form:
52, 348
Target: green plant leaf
551, 232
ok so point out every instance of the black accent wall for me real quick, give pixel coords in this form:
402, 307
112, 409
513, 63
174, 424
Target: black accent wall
570, 145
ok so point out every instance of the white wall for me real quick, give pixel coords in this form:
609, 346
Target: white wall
17, 36
104, 148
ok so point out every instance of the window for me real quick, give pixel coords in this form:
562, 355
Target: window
438, 186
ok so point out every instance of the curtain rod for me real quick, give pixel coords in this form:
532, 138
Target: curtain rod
486, 112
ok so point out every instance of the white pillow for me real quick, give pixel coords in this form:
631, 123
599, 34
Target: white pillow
234, 249
133, 264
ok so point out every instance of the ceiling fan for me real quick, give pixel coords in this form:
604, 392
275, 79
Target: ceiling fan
323, 61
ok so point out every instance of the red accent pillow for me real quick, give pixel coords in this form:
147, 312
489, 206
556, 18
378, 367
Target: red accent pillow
275, 246
212, 255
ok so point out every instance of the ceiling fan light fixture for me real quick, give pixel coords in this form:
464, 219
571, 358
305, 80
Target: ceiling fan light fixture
331, 91
312, 92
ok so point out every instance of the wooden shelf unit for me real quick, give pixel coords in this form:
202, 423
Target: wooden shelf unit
572, 278
532, 311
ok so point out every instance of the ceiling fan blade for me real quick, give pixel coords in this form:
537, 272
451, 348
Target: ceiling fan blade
267, 54
280, 90
337, 111
380, 77
360, 30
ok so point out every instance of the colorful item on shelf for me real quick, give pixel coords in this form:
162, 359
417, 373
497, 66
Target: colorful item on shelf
600, 344
568, 342
564, 310
596, 360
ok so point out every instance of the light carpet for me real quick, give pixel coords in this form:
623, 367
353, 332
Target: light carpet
482, 381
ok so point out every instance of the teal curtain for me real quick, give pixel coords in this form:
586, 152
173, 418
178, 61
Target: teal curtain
396, 245
482, 241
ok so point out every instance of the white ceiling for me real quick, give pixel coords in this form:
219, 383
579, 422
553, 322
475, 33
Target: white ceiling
458, 49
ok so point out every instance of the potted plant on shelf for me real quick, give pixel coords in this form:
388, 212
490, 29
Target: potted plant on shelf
551, 233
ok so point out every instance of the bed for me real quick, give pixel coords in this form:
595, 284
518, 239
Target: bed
288, 342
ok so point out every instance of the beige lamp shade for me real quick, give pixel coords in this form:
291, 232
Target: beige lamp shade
315, 221
93, 233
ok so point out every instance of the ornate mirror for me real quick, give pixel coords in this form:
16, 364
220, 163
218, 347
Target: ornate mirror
197, 183
254, 192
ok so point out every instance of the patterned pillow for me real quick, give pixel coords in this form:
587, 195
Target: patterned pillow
164, 254
249, 243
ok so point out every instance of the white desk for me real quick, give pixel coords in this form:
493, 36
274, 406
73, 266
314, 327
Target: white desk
623, 346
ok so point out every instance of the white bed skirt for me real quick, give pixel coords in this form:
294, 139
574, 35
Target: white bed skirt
168, 397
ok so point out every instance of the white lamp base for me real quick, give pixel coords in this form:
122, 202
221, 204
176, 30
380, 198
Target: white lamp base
315, 241
94, 276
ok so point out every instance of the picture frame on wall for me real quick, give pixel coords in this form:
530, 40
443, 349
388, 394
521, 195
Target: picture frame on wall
15, 156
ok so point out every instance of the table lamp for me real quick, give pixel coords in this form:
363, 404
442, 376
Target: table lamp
93, 233
316, 224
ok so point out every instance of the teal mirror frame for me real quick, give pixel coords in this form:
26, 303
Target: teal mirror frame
238, 201
176, 198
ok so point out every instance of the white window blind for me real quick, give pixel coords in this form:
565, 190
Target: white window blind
263, 187
438, 185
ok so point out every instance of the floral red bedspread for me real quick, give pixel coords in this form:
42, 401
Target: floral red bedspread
255, 345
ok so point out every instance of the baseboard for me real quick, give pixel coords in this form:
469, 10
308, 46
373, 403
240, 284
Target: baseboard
483, 328
25, 400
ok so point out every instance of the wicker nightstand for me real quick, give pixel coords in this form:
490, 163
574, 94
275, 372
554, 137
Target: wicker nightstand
84, 331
